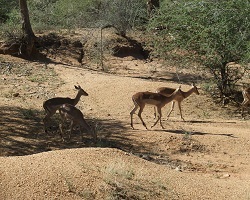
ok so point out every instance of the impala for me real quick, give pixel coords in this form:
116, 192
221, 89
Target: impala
246, 101
140, 99
52, 105
178, 98
70, 113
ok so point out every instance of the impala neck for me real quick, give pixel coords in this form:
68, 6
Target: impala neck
188, 93
77, 99
170, 98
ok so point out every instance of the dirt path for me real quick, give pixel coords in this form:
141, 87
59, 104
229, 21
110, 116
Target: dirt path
206, 157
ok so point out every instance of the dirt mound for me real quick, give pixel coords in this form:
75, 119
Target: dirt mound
113, 174
74, 174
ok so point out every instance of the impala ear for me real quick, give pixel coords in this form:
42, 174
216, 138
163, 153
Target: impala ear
178, 89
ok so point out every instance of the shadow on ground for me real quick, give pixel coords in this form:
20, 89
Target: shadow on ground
22, 133
182, 79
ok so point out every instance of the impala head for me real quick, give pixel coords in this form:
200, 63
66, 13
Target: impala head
81, 91
195, 89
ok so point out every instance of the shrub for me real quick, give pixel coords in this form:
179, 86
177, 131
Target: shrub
212, 33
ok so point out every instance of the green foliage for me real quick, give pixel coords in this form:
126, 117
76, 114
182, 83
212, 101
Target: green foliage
123, 15
10, 19
11, 29
5, 7
61, 13
210, 32
52, 14
218, 30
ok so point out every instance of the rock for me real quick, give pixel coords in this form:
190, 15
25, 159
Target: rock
226, 176
178, 169
16, 94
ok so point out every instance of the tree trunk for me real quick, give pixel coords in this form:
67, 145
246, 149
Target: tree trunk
29, 36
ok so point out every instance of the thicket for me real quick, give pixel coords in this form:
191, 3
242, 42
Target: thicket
6, 7
57, 14
211, 33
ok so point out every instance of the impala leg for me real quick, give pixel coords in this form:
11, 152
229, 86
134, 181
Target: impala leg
242, 108
61, 127
61, 131
159, 118
46, 119
72, 124
242, 111
131, 115
171, 109
243, 105
160, 114
179, 105
139, 115
154, 112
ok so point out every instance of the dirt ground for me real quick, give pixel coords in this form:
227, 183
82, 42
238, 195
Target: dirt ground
207, 156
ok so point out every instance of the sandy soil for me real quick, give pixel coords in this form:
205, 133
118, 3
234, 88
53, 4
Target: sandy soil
205, 157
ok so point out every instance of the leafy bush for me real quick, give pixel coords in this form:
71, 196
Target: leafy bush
11, 29
62, 13
51, 14
213, 33
5, 7
123, 15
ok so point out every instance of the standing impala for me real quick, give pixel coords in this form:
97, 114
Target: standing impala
246, 101
75, 116
52, 105
168, 91
140, 99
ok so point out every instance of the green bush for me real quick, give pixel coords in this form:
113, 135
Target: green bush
5, 8
212, 33
56, 14
123, 15
11, 29
61, 13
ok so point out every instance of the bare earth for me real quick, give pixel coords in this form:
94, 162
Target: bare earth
205, 157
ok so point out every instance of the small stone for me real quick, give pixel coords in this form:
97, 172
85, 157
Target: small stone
178, 169
226, 175
16, 94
